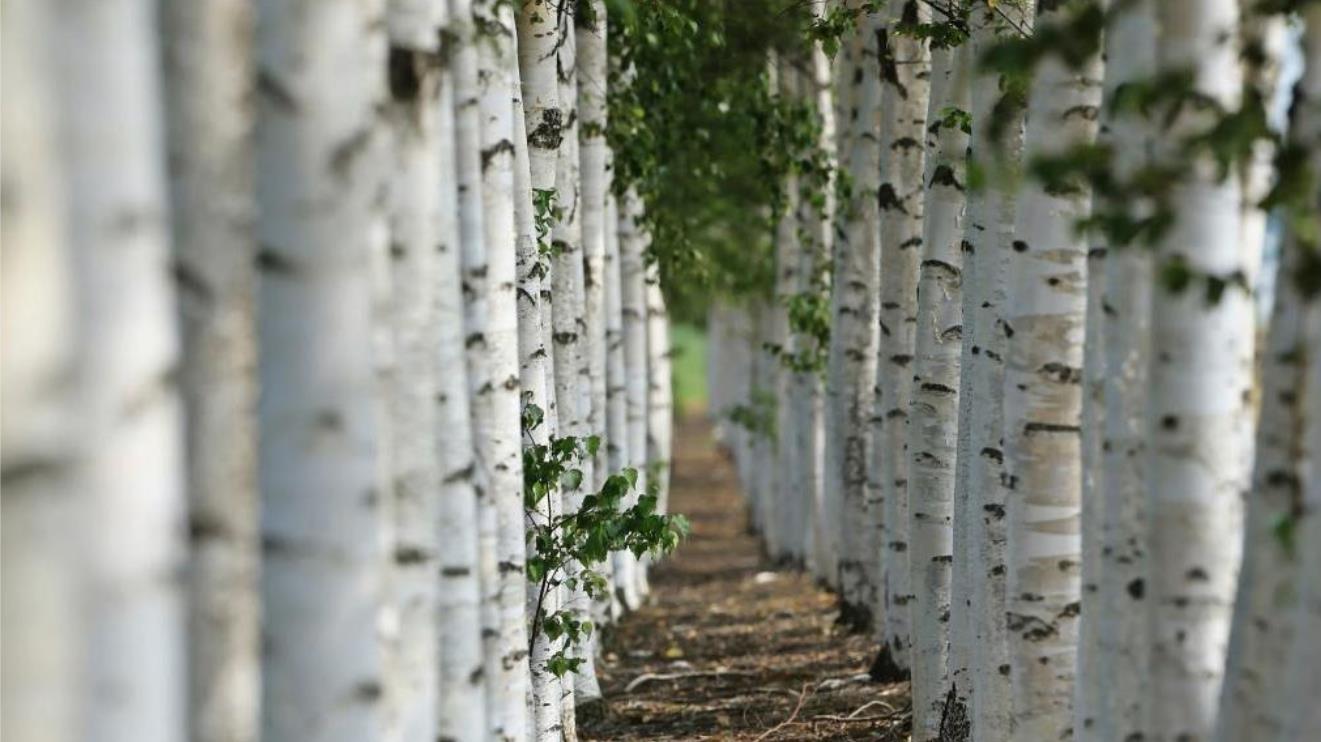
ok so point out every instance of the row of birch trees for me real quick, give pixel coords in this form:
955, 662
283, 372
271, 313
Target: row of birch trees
1046, 453
334, 370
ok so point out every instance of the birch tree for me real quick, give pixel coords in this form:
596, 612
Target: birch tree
321, 581
633, 308
40, 615
210, 119
463, 682
660, 411
617, 454
905, 92
1108, 708
568, 277
1199, 416
412, 681
590, 39
1257, 696
1045, 318
537, 29
789, 459
851, 365
484, 133
990, 234
131, 472
593, 155
933, 412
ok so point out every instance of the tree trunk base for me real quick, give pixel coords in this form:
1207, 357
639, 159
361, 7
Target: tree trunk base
885, 670
955, 726
590, 712
857, 619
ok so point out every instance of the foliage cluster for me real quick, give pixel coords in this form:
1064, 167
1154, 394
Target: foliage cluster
699, 133
564, 548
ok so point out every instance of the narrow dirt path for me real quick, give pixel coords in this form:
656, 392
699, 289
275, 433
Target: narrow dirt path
729, 648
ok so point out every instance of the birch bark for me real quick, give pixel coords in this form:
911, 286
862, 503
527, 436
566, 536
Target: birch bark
482, 64
853, 343
463, 683
660, 409
1044, 319
41, 612
905, 93
1199, 411
129, 409
1108, 708
317, 138
991, 230
1256, 700
788, 459
537, 29
210, 119
933, 413
412, 682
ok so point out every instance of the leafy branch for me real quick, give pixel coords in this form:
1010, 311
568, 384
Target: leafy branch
564, 547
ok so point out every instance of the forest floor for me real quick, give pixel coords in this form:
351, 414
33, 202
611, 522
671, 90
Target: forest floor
730, 647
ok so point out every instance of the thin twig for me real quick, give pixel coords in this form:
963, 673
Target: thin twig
802, 696
649, 676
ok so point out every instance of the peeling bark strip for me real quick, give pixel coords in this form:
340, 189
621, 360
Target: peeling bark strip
848, 530
1042, 410
321, 517
934, 410
904, 97
1199, 466
210, 119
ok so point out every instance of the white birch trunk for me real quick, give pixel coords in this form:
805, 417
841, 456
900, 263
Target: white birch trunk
617, 454
463, 681
317, 135
660, 406
1261, 690
633, 307
990, 234
412, 677
1199, 412
1045, 318
40, 616
592, 79
537, 379
853, 343
1300, 684
590, 40
537, 34
572, 363
483, 68
1118, 336
934, 412
788, 457
806, 527
905, 92
1263, 627
112, 146
210, 118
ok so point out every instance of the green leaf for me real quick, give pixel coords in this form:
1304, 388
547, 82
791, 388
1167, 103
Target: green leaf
572, 479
